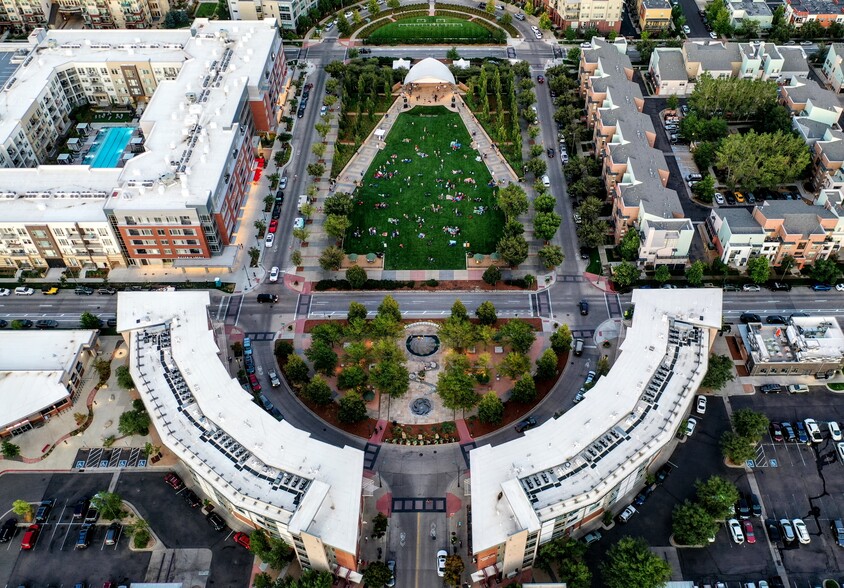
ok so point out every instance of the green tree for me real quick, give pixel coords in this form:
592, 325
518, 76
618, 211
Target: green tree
561, 339
750, 424
492, 275
458, 311
717, 496
662, 274
456, 333
331, 258
752, 160
379, 525
544, 21
391, 378
759, 270
545, 225
336, 225
569, 557
625, 273
517, 334
630, 564
135, 421
329, 333
110, 505
825, 271
513, 250
705, 189
514, 365
490, 7
719, 372
736, 448
343, 25
544, 202
486, 313
319, 392
356, 310
393, 4
322, 356
373, 7
512, 200
455, 386
273, 551
24, 509
629, 246
452, 53
454, 569
593, 234
296, 370
139, 531
546, 365
351, 377
339, 203
352, 408
524, 390
89, 321
672, 103
551, 256
390, 308
694, 273
692, 525
377, 574
10, 450
124, 378
490, 408
356, 276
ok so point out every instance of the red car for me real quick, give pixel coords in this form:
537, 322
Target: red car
174, 481
30, 536
748, 532
253, 381
540, 79
776, 432
273, 226
241, 539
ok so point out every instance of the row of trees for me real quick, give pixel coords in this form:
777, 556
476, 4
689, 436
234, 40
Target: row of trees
696, 522
739, 445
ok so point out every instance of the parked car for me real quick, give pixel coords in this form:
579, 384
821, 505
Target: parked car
801, 531
735, 531
773, 530
80, 508
776, 319
798, 389
44, 509
83, 539
788, 431
92, 515
191, 498
780, 287
802, 436
174, 481
46, 291
755, 505
749, 535
592, 537
273, 226
749, 317
663, 472
269, 240
814, 430
442, 554
106, 291
627, 513
30, 536
241, 539
282, 183
112, 533
701, 405
838, 532
215, 521
391, 565
750, 288
719, 198
24, 291
771, 389
525, 424
642, 496
7, 531
83, 291
46, 324
834, 431
691, 423
776, 432
840, 447
742, 508
254, 383
821, 287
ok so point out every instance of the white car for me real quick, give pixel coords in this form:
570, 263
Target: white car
814, 430
719, 198
5, 291
282, 183
348, 14
299, 223
627, 514
839, 287
546, 181
268, 242
735, 531
713, 34
750, 288
586, 45
701, 405
537, 34
691, 423
274, 274
441, 555
534, 28
801, 531
834, 431
24, 291
840, 447
687, 30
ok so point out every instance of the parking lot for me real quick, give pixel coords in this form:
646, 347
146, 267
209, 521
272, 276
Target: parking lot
54, 560
797, 480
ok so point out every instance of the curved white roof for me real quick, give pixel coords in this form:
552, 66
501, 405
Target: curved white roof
429, 71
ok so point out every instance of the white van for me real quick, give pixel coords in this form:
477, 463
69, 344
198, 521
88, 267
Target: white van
578, 347
546, 181
303, 200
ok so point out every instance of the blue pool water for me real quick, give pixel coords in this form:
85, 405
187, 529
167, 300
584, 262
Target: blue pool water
108, 147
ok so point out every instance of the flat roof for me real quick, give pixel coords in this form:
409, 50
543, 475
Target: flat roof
805, 339
203, 415
188, 124
35, 362
572, 462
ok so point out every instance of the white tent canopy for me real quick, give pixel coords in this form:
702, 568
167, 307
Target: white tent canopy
429, 71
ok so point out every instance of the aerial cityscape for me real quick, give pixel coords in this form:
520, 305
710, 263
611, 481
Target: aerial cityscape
300, 294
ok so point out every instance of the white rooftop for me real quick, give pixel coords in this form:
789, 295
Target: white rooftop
569, 463
806, 339
429, 71
188, 124
211, 423
32, 364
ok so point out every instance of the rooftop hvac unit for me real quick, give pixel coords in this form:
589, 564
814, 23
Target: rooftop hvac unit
191, 97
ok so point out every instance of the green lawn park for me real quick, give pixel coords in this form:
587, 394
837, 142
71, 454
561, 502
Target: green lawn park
206, 10
420, 193
430, 29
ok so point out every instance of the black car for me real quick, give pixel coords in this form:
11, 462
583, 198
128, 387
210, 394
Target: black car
773, 529
84, 538
279, 196
276, 413
584, 307
771, 389
749, 317
550, 152
276, 210
24, 323
191, 498
742, 508
526, 424
664, 472
642, 496
755, 505
81, 508
44, 510
301, 113
112, 322
364, 51
780, 287
46, 324
776, 319
8, 530
83, 291
3, 324
216, 521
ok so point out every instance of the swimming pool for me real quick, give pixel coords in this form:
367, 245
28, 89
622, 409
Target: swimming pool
108, 146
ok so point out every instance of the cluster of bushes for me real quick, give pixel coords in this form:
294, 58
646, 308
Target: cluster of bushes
324, 285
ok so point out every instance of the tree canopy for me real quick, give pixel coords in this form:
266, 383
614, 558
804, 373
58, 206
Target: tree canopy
719, 372
766, 160
631, 564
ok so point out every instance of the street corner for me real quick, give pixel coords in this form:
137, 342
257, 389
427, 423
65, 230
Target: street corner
453, 504
384, 504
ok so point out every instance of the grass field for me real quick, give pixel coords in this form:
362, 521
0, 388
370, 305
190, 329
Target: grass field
420, 196
430, 29
206, 10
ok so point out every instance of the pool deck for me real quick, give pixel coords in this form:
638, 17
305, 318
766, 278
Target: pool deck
103, 145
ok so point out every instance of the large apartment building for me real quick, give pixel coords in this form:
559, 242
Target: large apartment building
164, 187
635, 172
265, 473
824, 12
559, 478
604, 15
26, 15
286, 11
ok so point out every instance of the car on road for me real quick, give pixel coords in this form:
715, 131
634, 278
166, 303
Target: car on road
584, 307
298, 223
834, 431
44, 509
48, 291
271, 298
735, 531
687, 30
7, 531
627, 513
691, 423
275, 382
749, 317
701, 405
30, 536
391, 565
525, 424
776, 432
719, 198
801, 531
592, 537
770, 388
780, 287
191, 498
24, 291
713, 34
776, 319
798, 389
241, 539
254, 383
46, 324
550, 152
749, 535
546, 181
216, 521
750, 288
5, 292
540, 79
269, 240
821, 287
274, 273
519, 16
442, 554
174, 481
273, 226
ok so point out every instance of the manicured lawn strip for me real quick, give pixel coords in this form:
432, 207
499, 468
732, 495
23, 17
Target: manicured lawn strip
206, 10
430, 129
430, 29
